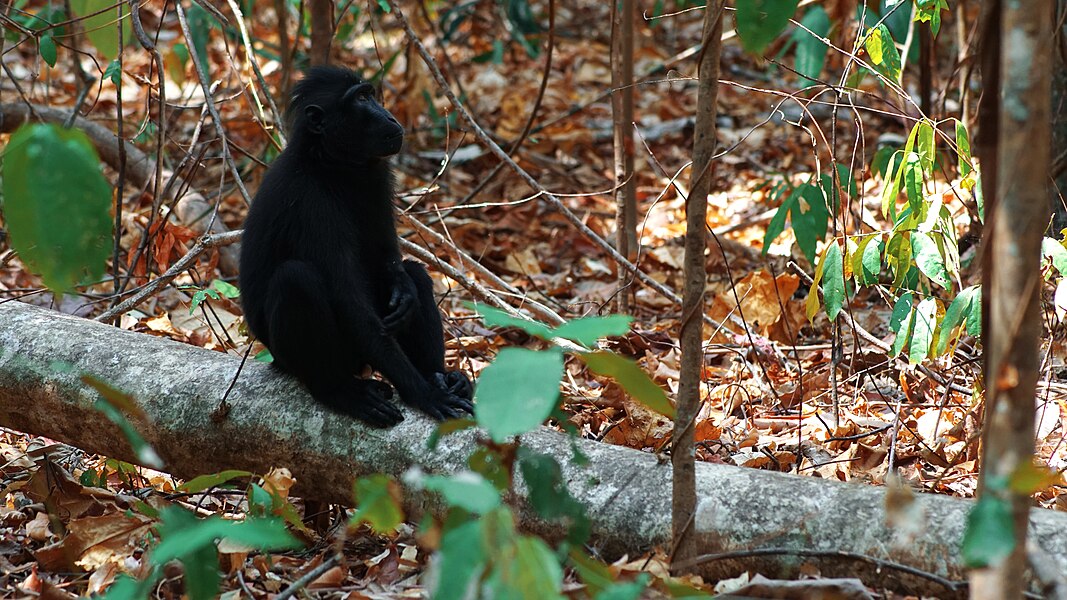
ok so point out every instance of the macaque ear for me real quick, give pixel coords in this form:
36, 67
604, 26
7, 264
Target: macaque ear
315, 118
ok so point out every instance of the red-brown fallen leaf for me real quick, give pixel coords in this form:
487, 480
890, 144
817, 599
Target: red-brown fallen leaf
109, 538
330, 579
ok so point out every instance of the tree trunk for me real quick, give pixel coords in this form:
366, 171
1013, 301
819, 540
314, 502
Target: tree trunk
775, 524
321, 30
1014, 280
622, 113
684, 543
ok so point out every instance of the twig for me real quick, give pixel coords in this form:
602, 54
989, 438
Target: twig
201, 75
554, 201
202, 245
308, 577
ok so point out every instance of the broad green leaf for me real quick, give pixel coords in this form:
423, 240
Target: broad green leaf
1055, 252
631, 590
175, 62
467, 490
46, 45
113, 72
632, 379
955, 316
930, 11
518, 391
924, 145
1030, 478
892, 185
203, 482
811, 49
100, 29
963, 148
532, 572
990, 534
59, 218
200, 25
913, 182
900, 322
184, 535
924, 321
929, 259
377, 503
447, 428
898, 257
974, 315
867, 259
810, 218
833, 287
264, 356
228, 290
777, 224
498, 318
548, 492
883, 52
880, 160
461, 560
488, 463
760, 21
594, 574
587, 330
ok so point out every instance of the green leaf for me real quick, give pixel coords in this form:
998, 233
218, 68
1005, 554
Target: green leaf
518, 391
922, 330
467, 490
928, 258
226, 289
892, 184
1055, 252
100, 29
462, 559
112, 403
883, 52
990, 534
913, 181
113, 72
777, 224
632, 378
810, 218
489, 464
530, 570
898, 257
631, 590
264, 356
182, 534
925, 145
833, 281
498, 318
901, 322
549, 495
960, 310
203, 482
378, 503
46, 45
963, 148
811, 49
760, 21
59, 218
201, 22
587, 330
867, 260
200, 296
881, 159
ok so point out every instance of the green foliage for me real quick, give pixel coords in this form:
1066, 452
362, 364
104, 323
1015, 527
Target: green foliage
113, 72
58, 219
378, 503
929, 11
883, 52
205, 482
219, 289
760, 21
632, 379
465, 490
191, 541
46, 46
810, 48
112, 403
807, 211
518, 378
990, 534
100, 28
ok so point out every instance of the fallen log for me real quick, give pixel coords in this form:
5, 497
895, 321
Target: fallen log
747, 519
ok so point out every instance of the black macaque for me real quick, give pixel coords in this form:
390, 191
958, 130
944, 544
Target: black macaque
322, 281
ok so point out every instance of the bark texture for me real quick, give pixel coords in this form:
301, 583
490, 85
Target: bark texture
764, 518
1013, 338
695, 274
